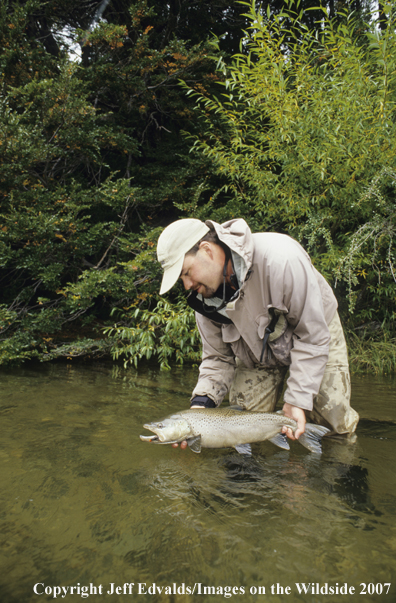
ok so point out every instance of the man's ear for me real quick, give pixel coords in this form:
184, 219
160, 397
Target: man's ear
206, 247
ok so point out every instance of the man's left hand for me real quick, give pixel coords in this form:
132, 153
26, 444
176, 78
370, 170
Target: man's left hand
296, 413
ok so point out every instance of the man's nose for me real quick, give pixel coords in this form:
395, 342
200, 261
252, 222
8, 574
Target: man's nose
187, 282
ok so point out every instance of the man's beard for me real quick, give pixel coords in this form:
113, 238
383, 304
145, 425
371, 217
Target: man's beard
207, 292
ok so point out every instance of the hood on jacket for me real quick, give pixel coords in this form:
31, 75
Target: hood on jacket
237, 235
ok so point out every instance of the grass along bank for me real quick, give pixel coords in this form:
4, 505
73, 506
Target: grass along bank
375, 354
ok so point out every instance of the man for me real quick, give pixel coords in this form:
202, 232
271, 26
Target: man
262, 310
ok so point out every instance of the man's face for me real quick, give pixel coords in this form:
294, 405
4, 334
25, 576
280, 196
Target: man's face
203, 272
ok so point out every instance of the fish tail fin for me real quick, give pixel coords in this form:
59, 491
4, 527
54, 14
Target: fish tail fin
312, 437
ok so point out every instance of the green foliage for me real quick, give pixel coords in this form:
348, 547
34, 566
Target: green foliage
372, 353
300, 138
370, 259
90, 158
167, 333
303, 126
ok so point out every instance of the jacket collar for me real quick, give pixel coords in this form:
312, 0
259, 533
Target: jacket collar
237, 235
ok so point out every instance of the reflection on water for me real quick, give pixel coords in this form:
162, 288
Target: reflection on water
85, 503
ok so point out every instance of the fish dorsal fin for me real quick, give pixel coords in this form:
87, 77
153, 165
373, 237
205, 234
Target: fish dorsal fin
280, 440
244, 449
195, 443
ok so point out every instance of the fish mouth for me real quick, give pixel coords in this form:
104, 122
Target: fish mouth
150, 438
153, 437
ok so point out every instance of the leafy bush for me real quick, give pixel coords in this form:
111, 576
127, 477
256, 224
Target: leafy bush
370, 253
303, 129
90, 160
168, 333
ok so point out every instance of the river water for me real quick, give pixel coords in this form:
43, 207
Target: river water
85, 504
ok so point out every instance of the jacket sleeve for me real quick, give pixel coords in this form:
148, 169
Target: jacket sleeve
295, 279
217, 368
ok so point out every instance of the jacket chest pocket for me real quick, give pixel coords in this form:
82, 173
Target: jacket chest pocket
230, 333
279, 329
280, 340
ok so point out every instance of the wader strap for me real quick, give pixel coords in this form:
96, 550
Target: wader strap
198, 306
270, 329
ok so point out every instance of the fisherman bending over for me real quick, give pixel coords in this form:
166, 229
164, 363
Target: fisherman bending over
262, 310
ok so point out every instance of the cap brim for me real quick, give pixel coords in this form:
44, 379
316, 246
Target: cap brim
171, 275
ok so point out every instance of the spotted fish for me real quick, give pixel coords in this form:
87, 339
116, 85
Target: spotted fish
230, 427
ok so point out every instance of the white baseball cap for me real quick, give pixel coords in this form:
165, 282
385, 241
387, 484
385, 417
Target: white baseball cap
173, 244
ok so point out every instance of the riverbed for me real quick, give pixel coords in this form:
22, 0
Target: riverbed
86, 505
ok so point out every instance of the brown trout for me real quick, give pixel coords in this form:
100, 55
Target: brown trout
230, 427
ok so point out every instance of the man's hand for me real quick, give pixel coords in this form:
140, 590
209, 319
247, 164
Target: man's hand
296, 413
183, 444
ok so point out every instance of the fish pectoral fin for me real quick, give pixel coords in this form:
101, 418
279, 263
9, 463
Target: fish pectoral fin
195, 443
280, 440
244, 449
236, 407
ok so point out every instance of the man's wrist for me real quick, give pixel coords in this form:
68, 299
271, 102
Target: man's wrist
203, 401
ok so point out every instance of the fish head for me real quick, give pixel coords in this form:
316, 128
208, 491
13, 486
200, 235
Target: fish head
168, 431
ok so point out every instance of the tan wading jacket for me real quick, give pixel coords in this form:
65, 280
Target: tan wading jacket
274, 272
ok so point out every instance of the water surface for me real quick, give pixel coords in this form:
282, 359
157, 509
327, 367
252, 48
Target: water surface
85, 503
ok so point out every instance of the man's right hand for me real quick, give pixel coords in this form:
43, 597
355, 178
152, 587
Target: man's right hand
298, 414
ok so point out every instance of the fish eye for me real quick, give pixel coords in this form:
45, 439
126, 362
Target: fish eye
160, 425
